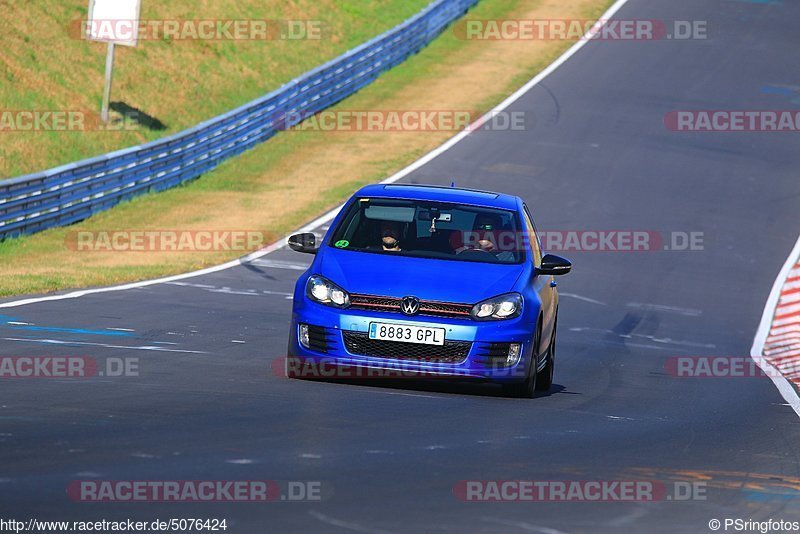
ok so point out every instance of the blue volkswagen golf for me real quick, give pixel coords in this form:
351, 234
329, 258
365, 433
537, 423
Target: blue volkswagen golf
433, 281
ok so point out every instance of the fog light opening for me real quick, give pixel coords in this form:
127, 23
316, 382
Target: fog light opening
514, 353
304, 339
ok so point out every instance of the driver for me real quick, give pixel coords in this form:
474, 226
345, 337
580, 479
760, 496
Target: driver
390, 236
484, 234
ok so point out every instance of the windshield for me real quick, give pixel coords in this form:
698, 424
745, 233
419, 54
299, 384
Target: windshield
426, 229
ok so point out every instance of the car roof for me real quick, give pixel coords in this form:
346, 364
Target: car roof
438, 193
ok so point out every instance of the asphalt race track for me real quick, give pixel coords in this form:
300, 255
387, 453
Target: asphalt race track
595, 156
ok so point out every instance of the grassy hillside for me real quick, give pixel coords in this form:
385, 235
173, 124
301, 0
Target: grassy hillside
176, 82
297, 175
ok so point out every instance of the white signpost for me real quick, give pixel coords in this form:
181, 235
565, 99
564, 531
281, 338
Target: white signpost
114, 22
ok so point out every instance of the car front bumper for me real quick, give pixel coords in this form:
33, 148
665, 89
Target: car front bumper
336, 354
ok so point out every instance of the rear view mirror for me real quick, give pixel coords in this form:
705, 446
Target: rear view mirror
554, 265
306, 243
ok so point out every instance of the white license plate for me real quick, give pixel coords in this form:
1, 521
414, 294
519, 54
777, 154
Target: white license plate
407, 334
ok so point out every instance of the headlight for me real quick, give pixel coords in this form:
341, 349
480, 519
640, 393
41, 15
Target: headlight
503, 307
320, 289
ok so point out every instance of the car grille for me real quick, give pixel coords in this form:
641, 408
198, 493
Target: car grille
491, 354
360, 344
426, 307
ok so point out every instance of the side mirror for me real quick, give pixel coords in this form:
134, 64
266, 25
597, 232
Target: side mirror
306, 243
554, 265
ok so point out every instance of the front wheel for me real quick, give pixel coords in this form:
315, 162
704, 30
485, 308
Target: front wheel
545, 379
527, 388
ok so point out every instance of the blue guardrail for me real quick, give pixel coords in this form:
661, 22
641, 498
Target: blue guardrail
73, 192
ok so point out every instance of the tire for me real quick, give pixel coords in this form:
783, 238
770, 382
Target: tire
545, 378
288, 369
527, 388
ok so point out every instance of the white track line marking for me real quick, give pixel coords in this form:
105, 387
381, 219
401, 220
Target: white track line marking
355, 527
229, 291
328, 217
690, 312
756, 352
580, 297
274, 264
136, 285
104, 345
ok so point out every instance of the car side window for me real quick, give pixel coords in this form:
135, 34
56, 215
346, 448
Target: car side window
536, 246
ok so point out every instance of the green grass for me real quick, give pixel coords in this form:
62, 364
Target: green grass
180, 83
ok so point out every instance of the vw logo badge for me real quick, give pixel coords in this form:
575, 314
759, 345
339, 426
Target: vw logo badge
409, 305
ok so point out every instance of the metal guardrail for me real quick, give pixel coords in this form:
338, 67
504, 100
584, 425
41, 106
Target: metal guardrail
73, 192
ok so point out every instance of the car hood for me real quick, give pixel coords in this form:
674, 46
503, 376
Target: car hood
428, 279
